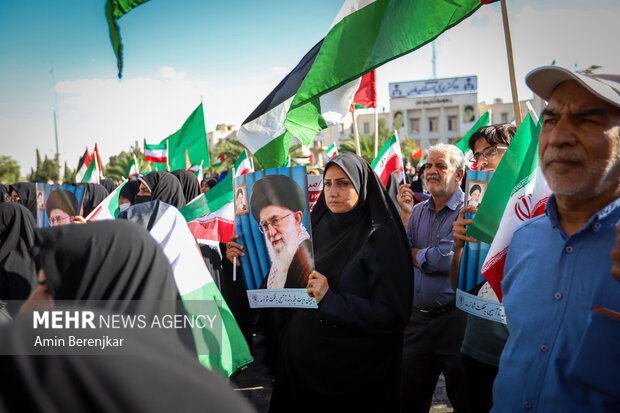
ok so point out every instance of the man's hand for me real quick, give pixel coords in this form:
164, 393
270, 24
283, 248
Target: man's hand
405, 200
459, 228
79, 220
233, 249
317, 286
615, 255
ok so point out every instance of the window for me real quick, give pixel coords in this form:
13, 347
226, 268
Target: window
452, 123
433, 124
433, 141
504, 117
366, 128
415, 125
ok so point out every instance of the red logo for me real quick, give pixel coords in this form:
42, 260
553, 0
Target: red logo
523, 207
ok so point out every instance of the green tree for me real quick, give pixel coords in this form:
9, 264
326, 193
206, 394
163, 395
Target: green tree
408, 147
118, 164
46, 169
9, 170
231, 149
69, 175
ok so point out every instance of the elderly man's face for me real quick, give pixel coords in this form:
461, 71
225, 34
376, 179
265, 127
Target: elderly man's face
440, 176
281, 226
580, 143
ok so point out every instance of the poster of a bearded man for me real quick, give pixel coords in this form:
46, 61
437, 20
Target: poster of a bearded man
277, 203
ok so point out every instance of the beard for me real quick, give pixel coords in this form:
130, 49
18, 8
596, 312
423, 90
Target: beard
282, 254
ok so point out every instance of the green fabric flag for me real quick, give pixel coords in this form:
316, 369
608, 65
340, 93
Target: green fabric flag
114, 10
484, 120
192, 138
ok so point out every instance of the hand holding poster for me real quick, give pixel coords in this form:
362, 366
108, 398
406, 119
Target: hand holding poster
272, 219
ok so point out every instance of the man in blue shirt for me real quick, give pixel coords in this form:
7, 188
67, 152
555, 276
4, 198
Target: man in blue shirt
559, 294
435, 331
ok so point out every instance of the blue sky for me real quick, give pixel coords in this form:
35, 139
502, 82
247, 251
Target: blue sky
232, 53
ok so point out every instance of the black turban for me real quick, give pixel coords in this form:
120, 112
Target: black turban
63, 200
279, 190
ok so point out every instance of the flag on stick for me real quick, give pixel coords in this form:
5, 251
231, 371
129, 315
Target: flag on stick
156, 153
366, 95
243, 165
219, 160
331, 151
390, 159
517, 193
108, 208
83, 165
99, 164
132, 169
92, 174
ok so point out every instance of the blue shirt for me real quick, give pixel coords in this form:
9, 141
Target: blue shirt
431, 231
555, 359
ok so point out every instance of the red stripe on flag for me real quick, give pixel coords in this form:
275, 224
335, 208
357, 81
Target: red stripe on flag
366, 94
392, 164
216, 229
156, 159
493, 271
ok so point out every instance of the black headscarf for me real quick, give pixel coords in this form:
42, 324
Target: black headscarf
130, 190
108, 184
17, 270
165, 187
339, 238
108, 260
93, 195
157, 376
189, 183
4, 190
27, 191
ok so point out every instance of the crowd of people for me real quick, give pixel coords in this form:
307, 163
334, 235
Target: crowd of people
385, 274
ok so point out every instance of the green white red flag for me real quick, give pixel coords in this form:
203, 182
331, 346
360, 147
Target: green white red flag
219, 160
92, 174
390, 159
517, 192
243, 164
132, 169
331, 151
108, 208
156, 153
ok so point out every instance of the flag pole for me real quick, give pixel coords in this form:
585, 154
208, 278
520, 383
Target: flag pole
511, 64
376, 132
358, 149
167, 157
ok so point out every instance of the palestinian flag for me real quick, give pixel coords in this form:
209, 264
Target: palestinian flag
309, 160
243, 164
331, 151
108, 208
364, 35
92, 174
418, 154
156, 153
83, 165
390, 159
517, 193
220, 159
226, 352
211, 216
99, 163
132, 169
366, 95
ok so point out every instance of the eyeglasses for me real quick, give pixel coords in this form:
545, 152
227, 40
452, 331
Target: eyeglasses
275, 222
59, 220
488, 153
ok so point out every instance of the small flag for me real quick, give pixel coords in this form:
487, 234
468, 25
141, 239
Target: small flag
417, 155
390, 159
366, 95
309, 160
100, 164
132, 169
156, 153
220, 159
108, 208
92, 174
243, 165
331, 151
517, 193
197, 170
83, 165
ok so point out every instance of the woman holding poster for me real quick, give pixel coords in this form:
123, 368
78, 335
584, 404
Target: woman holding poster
346, 355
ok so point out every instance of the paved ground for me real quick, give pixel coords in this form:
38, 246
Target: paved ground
256, 384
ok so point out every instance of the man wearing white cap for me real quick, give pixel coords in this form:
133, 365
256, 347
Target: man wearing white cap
562, 302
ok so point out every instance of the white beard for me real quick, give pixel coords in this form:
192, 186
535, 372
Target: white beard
282, 256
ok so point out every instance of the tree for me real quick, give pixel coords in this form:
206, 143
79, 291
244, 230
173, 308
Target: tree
367, 145
69, 175
46, 169
9, 170
408, 147
231, 149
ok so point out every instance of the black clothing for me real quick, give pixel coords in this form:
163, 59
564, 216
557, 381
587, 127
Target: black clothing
130, 190
94, 194
300, 268
189, 183
27, 191
17, 270
346, 355
4, 191
108, 184
479, 377
165, 187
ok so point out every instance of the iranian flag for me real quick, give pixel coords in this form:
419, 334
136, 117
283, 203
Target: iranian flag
331, 151
243, 164
197, 170
220, 159
364, 35
156, 153
108, 208
390, 159
132, 169
92, 174
366, 95
83, 165
517, 193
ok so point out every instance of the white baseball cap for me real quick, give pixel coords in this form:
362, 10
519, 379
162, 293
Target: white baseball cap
544, 80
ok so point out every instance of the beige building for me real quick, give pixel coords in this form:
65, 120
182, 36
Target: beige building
222, 131
502, 112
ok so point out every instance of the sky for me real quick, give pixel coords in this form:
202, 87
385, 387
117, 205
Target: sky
231, 54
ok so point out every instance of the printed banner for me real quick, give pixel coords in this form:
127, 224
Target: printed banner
315, 187
57, 204
272, 219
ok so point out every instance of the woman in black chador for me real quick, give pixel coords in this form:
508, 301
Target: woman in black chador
346, 355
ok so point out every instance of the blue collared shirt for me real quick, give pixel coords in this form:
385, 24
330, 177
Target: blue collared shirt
431, 231
555, 359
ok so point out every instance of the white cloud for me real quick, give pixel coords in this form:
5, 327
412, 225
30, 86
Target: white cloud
281, 70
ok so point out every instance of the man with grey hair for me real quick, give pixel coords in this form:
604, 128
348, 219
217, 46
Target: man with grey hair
435, 331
